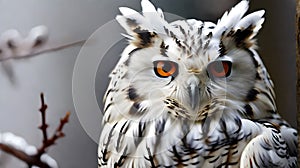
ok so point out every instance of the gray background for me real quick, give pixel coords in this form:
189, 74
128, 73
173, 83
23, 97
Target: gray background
73, 20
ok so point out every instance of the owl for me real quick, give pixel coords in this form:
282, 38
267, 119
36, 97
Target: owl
192, 94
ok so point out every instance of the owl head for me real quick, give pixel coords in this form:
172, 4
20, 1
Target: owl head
191, 68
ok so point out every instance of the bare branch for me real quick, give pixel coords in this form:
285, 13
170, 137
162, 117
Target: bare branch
30, 160
81, 42
35, 158
58, 134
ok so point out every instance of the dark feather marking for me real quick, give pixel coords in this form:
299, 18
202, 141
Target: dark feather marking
257, 77
222, 49
105, 150
172, 35
177, 157
163, 49
182, 30
175, 38
249, 110
121, 160
295, 134
171, 107
226, 164
167, 31
200, 29
224, 128
134, 108
200, 39
252, 93
123, 130
144, 36
208, 41
132, 95
151, 158
255, 161
141, 129
208, 89
160, 126
131, 22
178, 42
241, 37
138, 136
107, 106
133, 51
253, 58
214, 160
111, 90
233, 135
115, 83
126, 63
190, 48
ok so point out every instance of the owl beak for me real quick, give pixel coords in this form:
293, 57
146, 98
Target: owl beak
194, 93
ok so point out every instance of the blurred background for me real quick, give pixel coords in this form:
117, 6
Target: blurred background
74, 20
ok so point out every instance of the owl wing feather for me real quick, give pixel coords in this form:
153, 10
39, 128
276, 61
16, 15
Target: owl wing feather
273, 147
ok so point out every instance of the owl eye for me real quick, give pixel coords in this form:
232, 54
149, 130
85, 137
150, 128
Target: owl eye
165, 69
219, 69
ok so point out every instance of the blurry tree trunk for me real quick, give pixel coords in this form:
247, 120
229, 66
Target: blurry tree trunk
298, 73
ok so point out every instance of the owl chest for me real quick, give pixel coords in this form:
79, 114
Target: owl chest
179, 144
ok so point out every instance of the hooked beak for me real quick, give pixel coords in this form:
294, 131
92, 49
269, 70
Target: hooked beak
194, 92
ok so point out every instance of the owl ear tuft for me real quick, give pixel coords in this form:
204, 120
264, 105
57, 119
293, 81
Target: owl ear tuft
141, 28
138, 32
243, 33
247, 28
234, 30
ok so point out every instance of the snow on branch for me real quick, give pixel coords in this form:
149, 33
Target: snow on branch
14, 46
34, 157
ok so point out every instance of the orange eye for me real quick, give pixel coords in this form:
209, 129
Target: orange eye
165, 69
219, 69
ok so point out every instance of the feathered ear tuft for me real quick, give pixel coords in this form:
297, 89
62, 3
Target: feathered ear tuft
142, 27
235, 30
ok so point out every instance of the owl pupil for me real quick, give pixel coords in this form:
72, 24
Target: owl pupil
219, 67
166, 67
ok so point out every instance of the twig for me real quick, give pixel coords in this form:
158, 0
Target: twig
57, 134
44, 126
35, 159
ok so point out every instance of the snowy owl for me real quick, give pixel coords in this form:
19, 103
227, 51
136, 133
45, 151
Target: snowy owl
192, 93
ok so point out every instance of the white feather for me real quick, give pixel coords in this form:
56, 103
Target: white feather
160, 12
251, 19
230, 19
151, 19
147, 6
254, 19
128, 11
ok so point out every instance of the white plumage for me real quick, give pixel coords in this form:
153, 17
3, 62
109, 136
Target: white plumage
192, 94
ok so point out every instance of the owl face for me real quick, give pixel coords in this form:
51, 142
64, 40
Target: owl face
166, 70
189, 68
